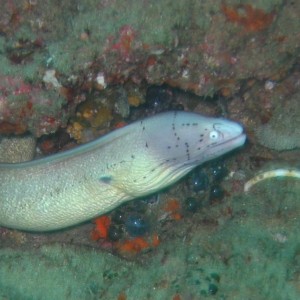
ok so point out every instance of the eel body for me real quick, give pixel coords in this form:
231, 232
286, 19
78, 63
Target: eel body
139, 159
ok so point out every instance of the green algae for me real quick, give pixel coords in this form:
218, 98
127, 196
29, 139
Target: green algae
282, 131
253, 255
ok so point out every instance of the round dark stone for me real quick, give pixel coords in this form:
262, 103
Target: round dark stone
118, 217
219, 171
216, 192
199, 181
212, 289
191, 204
159, 98
136, 225
115, 233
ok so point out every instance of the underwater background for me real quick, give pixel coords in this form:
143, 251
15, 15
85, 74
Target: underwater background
71, 71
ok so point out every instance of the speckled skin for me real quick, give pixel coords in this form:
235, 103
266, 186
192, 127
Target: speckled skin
139, 159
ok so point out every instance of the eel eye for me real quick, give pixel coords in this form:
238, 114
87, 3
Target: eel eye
214, 135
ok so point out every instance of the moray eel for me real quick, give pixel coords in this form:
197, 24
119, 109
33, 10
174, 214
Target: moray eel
139, 159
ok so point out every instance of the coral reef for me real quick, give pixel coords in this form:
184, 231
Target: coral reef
252, 19
236, 58
25, 107
94, 44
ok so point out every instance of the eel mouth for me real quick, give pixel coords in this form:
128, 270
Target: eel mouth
233, 136
237, 141
230, 144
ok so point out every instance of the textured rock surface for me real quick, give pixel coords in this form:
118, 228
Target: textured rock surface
244, 54
282, 131
205, 47
254, 254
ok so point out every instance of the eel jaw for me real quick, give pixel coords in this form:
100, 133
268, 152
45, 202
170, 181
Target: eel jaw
232, 137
